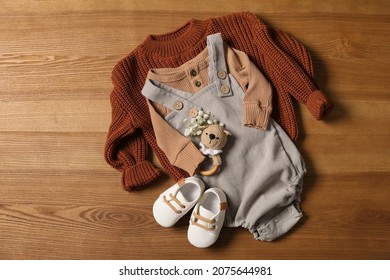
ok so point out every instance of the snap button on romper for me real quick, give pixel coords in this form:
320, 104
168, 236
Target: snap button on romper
261, 172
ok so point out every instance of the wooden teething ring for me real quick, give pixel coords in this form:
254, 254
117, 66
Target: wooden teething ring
216, 164
208, 172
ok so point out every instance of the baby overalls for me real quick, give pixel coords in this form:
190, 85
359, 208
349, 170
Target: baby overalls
261, 172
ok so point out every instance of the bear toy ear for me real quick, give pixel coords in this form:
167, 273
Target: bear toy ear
227, 132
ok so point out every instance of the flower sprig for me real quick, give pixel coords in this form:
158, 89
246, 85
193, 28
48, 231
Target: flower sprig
195, 126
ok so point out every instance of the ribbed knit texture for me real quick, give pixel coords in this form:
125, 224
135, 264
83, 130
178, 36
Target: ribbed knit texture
256, 116
283, 61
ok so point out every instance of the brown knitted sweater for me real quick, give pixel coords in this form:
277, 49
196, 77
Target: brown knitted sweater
283, 61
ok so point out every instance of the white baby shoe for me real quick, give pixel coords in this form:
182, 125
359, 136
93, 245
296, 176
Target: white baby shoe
207, 218
177, 200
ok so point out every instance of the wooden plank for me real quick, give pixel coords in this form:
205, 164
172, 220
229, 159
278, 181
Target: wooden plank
330, 229
59, 199
51, 6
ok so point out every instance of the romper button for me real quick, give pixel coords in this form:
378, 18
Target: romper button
193, 73
225, 89
193, 113
178, 105
221, 74
198, 83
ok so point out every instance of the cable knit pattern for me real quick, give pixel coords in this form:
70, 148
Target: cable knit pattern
283, 61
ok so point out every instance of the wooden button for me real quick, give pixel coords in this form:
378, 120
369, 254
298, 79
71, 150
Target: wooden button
225, 89
178, 105
193, 113
221, 74
193, 73
198, 83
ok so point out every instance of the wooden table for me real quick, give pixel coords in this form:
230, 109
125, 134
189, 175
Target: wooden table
60, 200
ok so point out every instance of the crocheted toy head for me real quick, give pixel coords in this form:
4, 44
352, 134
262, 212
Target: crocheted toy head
214, 137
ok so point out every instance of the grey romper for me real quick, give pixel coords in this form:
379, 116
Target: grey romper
261, 172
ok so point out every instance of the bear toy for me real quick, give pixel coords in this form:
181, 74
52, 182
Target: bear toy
212, 140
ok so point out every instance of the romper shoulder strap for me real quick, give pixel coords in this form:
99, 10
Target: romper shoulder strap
173, 99
217, 65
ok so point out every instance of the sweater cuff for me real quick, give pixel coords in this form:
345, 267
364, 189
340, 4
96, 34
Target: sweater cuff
255, 115
318, 104
139, 175
189, 158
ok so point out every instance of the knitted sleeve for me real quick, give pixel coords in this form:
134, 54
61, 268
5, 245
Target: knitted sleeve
126, 148
294, 49
287, 71
318, 103
179, 149
257, 102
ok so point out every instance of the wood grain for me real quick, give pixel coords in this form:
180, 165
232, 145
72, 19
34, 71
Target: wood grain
60, 200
